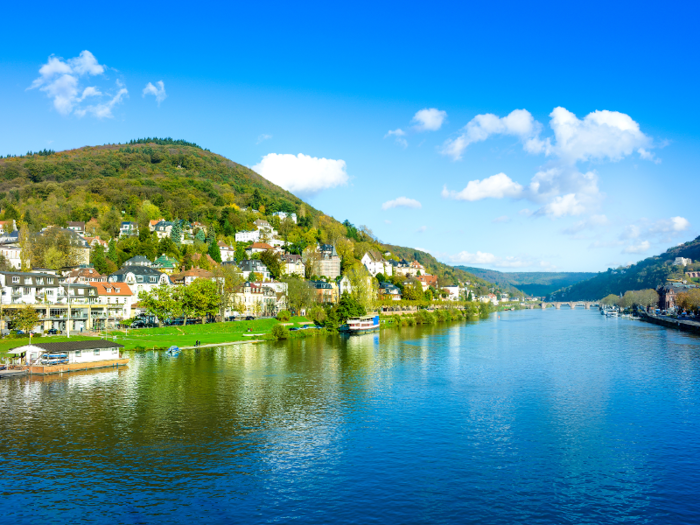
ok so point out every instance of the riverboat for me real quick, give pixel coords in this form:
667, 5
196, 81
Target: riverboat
359, 325
173, 351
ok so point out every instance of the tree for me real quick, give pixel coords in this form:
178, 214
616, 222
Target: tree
312, 260
348, 307
25, 318
200, 299
228, 279
364, 287
610, 300
112, 252
273, 263
300, 296
413, 292
25, 248
214, 251
200, 236
176, 233
163, 302
54, 248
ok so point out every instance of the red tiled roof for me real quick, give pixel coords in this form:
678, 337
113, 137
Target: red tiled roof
110, 289
261, 246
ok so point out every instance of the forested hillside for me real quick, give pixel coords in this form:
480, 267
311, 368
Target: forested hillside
649, 273
149, 179
532, 283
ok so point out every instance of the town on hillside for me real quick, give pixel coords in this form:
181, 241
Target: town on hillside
78, 280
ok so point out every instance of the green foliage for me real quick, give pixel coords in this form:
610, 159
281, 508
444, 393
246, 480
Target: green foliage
176, 233
348, 307
25, 318
164, 302
200, 299
200, 236
280, 332
284, 316
273, 263
215, 251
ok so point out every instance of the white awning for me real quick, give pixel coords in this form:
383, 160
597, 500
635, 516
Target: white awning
18, 351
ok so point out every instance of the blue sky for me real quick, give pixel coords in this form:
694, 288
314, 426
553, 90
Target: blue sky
522, 138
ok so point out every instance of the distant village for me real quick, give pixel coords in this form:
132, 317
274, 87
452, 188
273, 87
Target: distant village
79, 298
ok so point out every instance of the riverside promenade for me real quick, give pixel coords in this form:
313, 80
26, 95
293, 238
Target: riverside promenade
669, 322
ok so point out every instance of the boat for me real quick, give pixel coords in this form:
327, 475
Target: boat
359, 325
173, 351
54, 359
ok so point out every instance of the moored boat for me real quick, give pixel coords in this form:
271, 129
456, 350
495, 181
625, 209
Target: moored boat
358, 325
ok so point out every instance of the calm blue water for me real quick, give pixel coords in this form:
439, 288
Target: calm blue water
533, 417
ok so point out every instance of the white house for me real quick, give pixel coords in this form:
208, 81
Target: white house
163, 229
292, 264
453, 291
12, 255
375, 263
128, 229
284, 215
254, 265
251, 236
227, 253
139, 278
117, 297
682, 261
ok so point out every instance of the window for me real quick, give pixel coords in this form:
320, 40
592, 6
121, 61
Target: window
78, 353
154, 279
97, 351
27, 280
15, 280
140, 278
27, 291
81, 292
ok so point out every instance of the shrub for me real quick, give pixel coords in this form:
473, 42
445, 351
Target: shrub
411, 320
318, 314
284, 316
280, 332
425, 317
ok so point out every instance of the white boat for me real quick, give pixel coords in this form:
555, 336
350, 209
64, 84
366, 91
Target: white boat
358, 325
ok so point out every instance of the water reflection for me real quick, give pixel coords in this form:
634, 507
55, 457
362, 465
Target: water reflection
537, 416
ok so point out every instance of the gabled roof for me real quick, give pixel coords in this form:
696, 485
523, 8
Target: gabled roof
113, 289
196, 273
291, 257
252, 265
137, 259
260, 246
375, 256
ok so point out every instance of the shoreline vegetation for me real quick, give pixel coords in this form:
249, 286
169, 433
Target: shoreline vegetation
269, 329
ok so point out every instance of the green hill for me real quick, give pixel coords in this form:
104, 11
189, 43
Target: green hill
649, 273
532, 283
149, 179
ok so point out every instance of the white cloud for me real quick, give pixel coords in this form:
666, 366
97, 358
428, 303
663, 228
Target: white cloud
637, 248
429, 119
263, 137
495, 187
104, 110
593, 222
672, 225
422, 229
398, 135
302, 173
60, 79
562, 206
502, 218
560, 186
158, 92
401, 202
599, 135
519, 123
489, 259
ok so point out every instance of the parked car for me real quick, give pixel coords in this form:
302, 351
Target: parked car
138, 324
249, 318
52, 331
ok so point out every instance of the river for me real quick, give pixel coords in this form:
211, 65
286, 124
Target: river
557, 416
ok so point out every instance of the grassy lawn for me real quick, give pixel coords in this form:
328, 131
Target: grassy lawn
8, 344
213, 333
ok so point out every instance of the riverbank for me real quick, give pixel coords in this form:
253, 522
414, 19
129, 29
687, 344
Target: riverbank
683, 325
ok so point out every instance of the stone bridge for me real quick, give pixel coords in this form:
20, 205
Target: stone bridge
571, 304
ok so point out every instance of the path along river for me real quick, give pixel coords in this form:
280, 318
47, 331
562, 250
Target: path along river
534, 417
